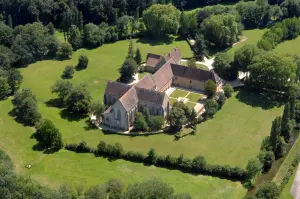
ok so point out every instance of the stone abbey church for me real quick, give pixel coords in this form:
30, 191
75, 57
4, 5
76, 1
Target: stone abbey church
126, 100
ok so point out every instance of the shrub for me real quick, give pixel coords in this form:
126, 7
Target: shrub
80, 148
140, 123
83, 62
134, 156
152, 156
210, 88
156, 122
65, 51
227, 90
221, 100
68, 72
211, 107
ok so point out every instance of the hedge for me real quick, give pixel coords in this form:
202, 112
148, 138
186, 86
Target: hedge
197, 165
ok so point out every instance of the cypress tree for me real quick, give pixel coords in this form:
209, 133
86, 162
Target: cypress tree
130, 50
80, 22
285, 123
275, 132
292, 107
9, 21
138, 56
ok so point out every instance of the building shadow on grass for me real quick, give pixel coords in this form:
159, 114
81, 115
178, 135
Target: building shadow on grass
257, 98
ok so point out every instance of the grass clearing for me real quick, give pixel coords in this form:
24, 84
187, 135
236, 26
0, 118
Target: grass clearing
285, 193
194, 97
179, 93
65, 166
252, 37
69, 167
289, 46
59, 35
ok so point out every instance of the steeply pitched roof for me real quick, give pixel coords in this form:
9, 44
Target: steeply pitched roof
175, 54
129, 99
163, 75
153, 59
151, 96
192, 73
116, 88
146, 82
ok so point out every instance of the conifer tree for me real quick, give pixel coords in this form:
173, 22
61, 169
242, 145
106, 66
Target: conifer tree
130, 50
9, 21
138, 56
275, 133
80, 22
285, 123
292, 108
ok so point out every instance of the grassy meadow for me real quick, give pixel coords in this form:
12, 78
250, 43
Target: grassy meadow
69, 167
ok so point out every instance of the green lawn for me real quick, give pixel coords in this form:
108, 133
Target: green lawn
201, 66
289, 46
194, 97
65, 166
285, 193
253, 36
179, 93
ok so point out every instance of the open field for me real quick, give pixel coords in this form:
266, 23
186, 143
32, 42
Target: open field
65, 166
85, 169
252, 37
289, 46
285, 194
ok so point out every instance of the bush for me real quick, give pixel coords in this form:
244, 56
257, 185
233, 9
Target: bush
83, 62
156, 123
68, 72
228, 90
80, 148
211, 107
221, 100
65, 51
210, 88
134, 156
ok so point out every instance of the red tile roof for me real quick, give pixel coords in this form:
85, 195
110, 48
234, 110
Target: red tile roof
153, 59
146, 82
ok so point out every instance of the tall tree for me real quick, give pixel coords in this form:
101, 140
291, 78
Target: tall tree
244, 55
210, 88
130, 53
200, 46
159, 22
75, 37
128, 69
51, 137
275, 133
5, 89
80, 22
138, 56
25, 107
9, 21
285, 123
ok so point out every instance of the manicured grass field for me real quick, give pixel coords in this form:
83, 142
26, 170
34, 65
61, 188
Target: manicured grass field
65, 166
69, 167
194, 97
285, 194
179, 93
289, 47
252, 38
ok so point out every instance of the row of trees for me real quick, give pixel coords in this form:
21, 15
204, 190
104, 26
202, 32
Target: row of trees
13, 186
287, 29
26, 44
197, 164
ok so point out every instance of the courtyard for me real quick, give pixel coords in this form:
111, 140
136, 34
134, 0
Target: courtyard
190, 97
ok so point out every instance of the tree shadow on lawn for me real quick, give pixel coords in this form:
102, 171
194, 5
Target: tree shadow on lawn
256, 98
14, 115
89, 125
156, 42
65, 114
39, 146
57, 103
